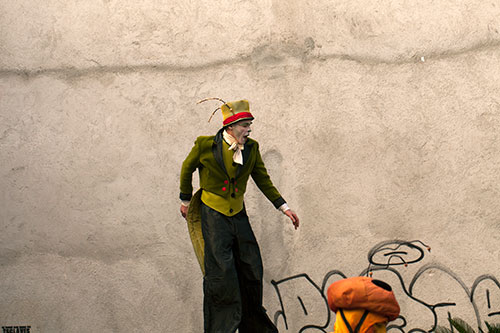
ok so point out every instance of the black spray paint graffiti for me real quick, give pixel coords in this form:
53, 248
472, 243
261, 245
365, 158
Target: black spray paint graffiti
430, 304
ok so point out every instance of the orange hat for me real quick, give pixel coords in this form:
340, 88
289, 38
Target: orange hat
363, 293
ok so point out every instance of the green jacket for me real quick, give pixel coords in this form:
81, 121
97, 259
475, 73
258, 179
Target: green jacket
206, 156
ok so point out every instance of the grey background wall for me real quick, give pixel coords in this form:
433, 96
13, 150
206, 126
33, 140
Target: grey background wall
378, 121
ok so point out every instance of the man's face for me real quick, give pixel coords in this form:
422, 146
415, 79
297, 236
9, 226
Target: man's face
241, 130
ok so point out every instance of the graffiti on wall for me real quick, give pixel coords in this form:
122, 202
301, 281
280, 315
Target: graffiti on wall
422, 292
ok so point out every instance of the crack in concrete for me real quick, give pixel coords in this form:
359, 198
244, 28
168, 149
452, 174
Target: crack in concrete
416, 57
74, 72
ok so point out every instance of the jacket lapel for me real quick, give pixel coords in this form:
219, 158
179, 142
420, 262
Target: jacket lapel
246, 156
217, 150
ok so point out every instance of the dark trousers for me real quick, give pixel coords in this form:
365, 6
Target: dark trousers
232, 284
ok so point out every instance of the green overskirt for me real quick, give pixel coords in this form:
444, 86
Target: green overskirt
193, 219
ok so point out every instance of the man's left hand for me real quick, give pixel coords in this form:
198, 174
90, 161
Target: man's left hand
293, 217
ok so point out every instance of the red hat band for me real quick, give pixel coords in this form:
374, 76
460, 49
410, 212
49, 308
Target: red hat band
237, 117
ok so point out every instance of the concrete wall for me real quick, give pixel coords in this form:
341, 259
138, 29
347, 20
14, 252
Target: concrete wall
378, 121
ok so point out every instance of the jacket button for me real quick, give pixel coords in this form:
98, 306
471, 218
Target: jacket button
226, 182
233, 195
230, 210
235, 190
223, 188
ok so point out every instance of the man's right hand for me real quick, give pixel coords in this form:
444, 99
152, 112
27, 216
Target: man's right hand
184, 210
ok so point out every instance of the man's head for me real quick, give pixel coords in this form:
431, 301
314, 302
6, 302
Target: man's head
236, 118
240, 130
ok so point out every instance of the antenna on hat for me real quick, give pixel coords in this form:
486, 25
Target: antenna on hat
215, 99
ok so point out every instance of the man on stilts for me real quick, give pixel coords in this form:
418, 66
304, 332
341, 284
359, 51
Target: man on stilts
222, 236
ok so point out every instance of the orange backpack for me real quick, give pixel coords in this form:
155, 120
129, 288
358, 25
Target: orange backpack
362, 304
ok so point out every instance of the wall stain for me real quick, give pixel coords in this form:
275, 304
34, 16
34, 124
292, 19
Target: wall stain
282, 52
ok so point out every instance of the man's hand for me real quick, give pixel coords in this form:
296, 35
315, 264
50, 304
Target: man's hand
293, 217
184, 210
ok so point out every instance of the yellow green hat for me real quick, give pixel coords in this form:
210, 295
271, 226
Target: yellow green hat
232, 112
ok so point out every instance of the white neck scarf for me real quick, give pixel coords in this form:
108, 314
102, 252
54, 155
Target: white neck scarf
234, 145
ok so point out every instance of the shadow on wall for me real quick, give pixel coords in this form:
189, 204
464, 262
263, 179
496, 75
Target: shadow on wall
423, 292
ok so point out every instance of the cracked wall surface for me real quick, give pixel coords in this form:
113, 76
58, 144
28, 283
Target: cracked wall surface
377, 120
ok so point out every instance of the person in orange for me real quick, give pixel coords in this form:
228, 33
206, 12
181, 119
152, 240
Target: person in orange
362, 305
